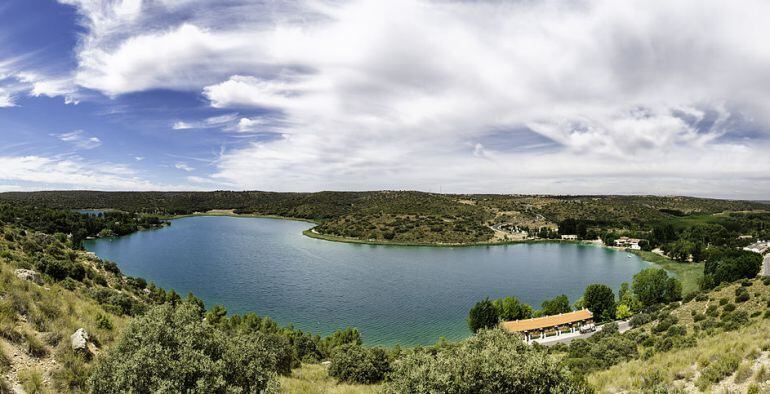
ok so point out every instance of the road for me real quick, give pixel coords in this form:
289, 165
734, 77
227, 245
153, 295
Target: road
623, 326
766, 266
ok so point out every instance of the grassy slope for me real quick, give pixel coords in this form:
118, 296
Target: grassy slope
684, 367
313, 379
36, 322
688, 273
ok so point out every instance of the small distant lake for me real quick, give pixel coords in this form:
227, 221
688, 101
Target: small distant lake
404, 295
91, 212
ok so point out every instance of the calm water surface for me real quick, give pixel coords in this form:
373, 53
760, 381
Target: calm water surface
405, 295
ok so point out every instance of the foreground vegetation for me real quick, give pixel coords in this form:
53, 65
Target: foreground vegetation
703, 332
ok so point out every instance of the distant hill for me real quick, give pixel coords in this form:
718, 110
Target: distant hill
403, 216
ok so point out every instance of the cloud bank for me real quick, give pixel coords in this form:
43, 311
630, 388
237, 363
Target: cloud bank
593, 96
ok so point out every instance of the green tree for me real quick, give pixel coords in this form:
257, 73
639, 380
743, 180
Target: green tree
555, 306
600, 300
510, 308
728, 265
653, 286
623, 312
216, 315
483, 315
170, 349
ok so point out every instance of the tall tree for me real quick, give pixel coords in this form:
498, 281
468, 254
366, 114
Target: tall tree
483, 315
600, 300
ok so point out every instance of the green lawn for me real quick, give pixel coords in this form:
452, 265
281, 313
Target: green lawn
689, 274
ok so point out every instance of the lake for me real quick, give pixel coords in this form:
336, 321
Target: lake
392, 294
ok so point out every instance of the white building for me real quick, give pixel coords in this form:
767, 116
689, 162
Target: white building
758, 247
628, 243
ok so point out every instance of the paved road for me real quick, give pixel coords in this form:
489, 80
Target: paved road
766, 266
623, 326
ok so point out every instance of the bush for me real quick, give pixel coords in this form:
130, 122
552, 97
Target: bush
717, 370
356, 364
103, 322
729, 307
34, 346
170, 349
640, 319
712, 311
32, 381
491, 361
743, 297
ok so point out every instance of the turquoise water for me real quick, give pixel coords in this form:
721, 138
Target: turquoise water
405, 295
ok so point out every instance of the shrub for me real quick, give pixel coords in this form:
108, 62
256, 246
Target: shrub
712, 311
71, 375
171, 349
103, 322
762, 375
640, 319
34, 346
717, 370
746, 283
664, 324
723, 301
491, 361
5, 362
356, 364
743, 297
729, 307
61, 269
743, 373
31, 381
766, 280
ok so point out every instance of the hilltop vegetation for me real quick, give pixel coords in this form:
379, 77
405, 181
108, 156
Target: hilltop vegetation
429, 218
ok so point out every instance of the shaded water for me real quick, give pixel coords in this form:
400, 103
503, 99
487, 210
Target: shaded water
405, 295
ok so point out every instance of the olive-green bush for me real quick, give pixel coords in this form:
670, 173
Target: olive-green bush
171, 349
492, 361
357, 364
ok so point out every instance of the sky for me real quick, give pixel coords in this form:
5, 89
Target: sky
453, 96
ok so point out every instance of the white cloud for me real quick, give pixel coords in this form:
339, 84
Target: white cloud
40, 85
222, 121
5, 99
183, 167
79, 139
637, 97
71, 173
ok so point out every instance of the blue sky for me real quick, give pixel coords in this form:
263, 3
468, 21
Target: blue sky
589, 97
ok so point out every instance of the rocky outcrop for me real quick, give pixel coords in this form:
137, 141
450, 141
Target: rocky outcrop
29, 275
79, 341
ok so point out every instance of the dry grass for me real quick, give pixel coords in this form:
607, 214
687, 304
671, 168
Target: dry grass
714, 359
312, 379
36, 323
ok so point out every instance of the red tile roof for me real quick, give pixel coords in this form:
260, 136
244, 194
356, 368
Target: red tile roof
547, 321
